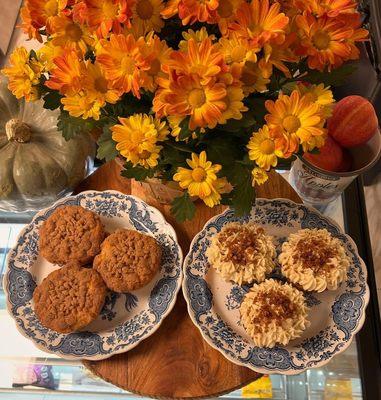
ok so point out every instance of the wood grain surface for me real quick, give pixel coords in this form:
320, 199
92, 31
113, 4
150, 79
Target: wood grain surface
175, 362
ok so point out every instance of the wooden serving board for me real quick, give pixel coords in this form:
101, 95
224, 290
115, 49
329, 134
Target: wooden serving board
175, 362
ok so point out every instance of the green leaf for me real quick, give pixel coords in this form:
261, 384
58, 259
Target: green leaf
316, 150
183, 208
242, 196
185, 132
52, 100
236, 125
106, 145
127, 106
72, 126
288, 87
32, 54
336, 77
138, 173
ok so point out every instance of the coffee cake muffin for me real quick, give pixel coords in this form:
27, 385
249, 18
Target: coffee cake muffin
69, 298
128, 260
314, 260
71, 234
242, 253
274, 313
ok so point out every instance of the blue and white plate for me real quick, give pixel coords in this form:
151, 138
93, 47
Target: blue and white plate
213, 304
126, 319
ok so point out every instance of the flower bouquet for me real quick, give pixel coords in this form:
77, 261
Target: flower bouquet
207, 94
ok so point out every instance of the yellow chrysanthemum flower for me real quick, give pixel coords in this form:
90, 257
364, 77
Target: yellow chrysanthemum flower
197, 36
47, 53
66, 33
219, 186
259, 176
200, 180
320, 95
137, 137
314, 142
146, 17
23, 74
262, 149
295, 114
252, 79
234, 104
237, 49
82, 105
174, 123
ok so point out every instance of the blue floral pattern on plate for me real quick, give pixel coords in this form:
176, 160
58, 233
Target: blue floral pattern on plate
213, 304
126, 319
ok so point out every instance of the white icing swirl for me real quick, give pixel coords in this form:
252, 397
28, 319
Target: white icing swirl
270, 332
261, 260
329, 275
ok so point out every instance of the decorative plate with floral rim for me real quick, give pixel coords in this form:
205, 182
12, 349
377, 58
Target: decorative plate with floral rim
126, 319
213, 304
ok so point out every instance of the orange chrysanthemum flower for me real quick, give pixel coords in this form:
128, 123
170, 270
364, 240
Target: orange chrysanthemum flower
157, 55
332, 8
121, 59
191, 11
359, 34
187, 96
202, 59
29, 26
295, 116
66, 33
37, 14
66, 76
105, 16
326, 41
275, 55
260, 22
226, 12
146, 17
253, 79
236, 49
171, 8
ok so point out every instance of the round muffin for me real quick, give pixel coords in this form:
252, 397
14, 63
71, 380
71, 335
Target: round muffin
128, 260
242, 253
274, 313
71, 234
69, 298
314, 260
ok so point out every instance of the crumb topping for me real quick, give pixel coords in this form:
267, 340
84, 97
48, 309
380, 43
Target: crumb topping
275, 307
241, 243
314, 253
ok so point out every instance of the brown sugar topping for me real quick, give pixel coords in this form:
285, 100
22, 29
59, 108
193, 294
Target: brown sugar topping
275, 306
314, 253
241, 244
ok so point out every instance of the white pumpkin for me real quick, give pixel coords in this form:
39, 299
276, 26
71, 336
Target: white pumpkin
37, 165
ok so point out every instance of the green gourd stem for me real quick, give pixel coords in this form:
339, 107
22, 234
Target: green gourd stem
18, 131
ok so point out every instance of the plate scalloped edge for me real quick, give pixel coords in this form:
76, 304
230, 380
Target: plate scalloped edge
179, 276
261, 369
